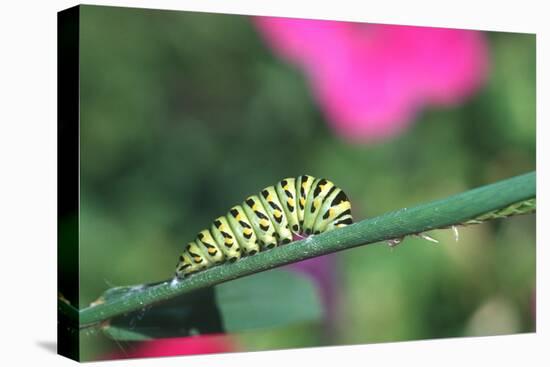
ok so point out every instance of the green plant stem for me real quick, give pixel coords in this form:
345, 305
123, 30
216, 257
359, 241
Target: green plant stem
453, 210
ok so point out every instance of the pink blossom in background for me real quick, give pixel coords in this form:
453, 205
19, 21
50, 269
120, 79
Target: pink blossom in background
371, 80
203, 344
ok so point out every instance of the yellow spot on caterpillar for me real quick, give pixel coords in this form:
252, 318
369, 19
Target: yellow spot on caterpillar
277, 214
247, 231
303, 201
331, 213
345, 205
264, 222
212, 251
197, 259
291, 201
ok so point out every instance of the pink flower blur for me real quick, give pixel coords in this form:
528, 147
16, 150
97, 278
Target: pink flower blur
203, 344
371, 80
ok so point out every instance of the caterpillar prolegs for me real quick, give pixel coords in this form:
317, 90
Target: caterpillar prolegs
294, 207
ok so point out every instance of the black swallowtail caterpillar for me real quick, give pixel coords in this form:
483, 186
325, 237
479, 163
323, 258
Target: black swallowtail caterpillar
293, 208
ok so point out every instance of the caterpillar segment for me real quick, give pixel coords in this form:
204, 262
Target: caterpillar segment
317, 194
336, 207
265, 230
244, 233
303, 185
192, 260
209, 247
286, 191
223, 234
276, 214
294, 206
342, 212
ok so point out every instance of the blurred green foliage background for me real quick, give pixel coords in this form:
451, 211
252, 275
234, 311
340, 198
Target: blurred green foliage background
185, 114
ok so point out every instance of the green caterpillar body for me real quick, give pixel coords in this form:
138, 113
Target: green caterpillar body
293, 207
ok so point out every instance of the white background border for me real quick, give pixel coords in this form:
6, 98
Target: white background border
28, 182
